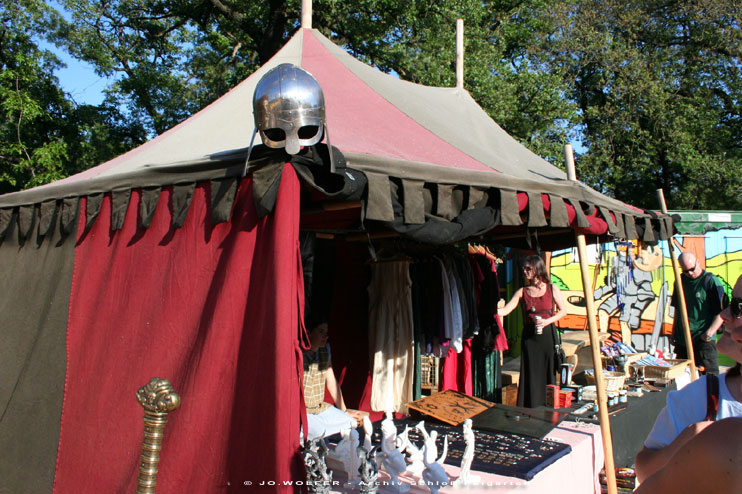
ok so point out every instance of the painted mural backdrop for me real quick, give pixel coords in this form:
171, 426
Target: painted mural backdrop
633, 285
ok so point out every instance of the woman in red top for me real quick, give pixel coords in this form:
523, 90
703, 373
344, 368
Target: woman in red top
537, 299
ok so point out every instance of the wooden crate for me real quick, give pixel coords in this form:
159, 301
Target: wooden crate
429, 373
510, 395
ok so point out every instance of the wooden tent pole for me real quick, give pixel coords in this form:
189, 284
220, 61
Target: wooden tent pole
680, 295
587, 287
460, 53
306, 14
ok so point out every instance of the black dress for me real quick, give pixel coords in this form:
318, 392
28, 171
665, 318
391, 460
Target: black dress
537, 350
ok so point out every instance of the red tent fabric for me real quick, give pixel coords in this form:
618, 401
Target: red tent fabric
214, 309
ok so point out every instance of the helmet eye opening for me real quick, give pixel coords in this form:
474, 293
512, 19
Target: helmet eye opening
275, 134
308, 131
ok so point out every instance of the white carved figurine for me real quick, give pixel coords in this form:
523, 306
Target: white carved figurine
344, 457
434, 474
414, 454
465, 475
368, 430
390, 459
355, 461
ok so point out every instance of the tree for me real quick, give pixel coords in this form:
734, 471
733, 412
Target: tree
658, 86
650, 88
44, 136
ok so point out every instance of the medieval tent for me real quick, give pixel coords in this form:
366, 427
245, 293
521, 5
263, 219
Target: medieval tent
170, 261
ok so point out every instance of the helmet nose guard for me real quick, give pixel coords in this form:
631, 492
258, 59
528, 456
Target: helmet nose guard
289, 108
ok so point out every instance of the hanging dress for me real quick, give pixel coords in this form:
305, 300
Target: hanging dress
537, 350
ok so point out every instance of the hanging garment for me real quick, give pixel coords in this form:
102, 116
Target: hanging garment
469, 299
431, 306
447, 303
456, 330
391, 336
417, 276
457, 370
485, 360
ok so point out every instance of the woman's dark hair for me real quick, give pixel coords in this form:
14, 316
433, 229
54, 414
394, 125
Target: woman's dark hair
313, 321
538, 266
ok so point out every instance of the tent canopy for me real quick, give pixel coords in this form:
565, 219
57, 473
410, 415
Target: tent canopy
164, 262
431, 152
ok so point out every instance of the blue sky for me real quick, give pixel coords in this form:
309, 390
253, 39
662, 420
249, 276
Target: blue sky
78, 78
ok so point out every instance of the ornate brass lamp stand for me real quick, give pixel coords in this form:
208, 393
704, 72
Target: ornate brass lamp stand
158, 399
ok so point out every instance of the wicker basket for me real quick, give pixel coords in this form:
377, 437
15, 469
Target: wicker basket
666, 372
429, 372
613, 380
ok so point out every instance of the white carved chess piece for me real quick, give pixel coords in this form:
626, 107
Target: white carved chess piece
465, 476
434, 474
390, 459
354, 461
415, 454
339, 458
368, 430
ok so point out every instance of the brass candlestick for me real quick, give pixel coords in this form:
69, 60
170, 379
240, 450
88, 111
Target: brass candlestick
158, 399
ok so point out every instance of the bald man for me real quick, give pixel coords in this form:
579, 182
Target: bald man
703, 299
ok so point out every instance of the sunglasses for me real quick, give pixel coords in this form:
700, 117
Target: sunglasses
735, 306
689, 271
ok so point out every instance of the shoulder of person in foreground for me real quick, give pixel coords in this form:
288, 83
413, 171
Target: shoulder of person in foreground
706, 463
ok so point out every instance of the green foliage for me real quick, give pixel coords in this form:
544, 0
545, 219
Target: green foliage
658, 87
651, 90
44, 136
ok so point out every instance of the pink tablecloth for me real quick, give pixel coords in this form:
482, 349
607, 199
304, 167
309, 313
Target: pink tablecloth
575, 473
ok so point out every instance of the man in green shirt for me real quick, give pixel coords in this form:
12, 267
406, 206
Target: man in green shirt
703, 299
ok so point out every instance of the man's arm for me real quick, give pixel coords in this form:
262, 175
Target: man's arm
649, 461
714, 327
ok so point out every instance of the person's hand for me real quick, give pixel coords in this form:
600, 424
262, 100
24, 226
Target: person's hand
540, 324
709, 337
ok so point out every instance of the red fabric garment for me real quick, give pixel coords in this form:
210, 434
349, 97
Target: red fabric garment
501, 339
214, 309
457, 370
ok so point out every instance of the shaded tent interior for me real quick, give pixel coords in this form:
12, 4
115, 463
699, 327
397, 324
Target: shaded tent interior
425, 164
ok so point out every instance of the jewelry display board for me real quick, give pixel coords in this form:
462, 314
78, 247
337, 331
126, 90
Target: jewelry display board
450, 406
533, 422
510, 455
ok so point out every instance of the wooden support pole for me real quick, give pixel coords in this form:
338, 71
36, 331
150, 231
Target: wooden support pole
682, 307
306, 14
587, 286
460, 53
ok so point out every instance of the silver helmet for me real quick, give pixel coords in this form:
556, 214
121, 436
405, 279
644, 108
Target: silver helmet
289, 108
